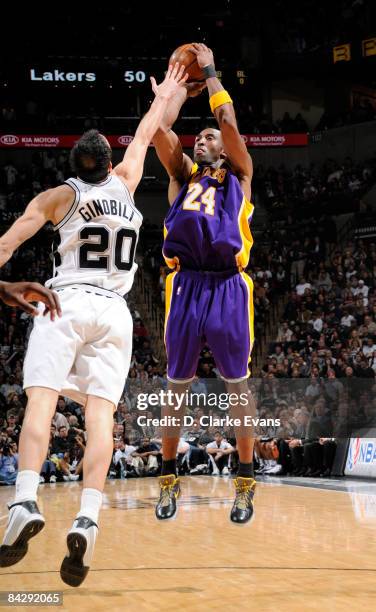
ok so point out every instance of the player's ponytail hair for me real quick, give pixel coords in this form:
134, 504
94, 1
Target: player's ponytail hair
91, 157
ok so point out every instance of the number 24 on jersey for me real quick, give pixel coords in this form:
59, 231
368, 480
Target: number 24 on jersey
195, 198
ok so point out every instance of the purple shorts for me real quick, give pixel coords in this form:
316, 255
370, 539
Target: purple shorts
213, 308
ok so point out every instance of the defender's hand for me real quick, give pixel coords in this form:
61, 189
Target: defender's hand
174, 79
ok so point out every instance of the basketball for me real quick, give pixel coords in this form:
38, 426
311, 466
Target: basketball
185, 56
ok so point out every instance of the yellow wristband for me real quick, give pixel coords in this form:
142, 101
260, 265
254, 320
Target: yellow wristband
219, 98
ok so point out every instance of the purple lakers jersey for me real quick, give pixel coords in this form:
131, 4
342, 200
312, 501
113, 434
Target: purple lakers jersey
207, 226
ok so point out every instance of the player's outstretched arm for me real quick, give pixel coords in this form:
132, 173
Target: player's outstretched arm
223, 110
131, 168
40, 210
177, 164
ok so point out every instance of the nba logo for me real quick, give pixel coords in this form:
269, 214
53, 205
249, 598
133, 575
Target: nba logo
178, 291
353, 455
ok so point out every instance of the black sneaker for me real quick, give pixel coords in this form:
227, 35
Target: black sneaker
170, 491
242, 510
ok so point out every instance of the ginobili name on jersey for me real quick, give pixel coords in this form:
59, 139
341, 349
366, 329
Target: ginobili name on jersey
98, 208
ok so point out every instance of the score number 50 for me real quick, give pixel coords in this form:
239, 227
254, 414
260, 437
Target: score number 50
130, 76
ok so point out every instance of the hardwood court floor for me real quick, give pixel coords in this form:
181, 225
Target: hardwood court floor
306, 549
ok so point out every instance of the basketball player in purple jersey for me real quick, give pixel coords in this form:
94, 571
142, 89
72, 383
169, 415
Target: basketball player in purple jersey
209, 297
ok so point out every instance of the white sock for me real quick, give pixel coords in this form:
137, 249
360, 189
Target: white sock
91, 501
27, 482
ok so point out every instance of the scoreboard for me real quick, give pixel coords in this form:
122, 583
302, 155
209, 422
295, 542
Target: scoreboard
113, 73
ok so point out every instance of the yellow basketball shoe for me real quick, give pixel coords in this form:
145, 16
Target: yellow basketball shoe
242, 510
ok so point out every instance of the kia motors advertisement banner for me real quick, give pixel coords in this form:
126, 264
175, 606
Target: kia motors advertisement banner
20, 141
361, 457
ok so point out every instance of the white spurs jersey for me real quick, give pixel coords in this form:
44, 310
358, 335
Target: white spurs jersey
96, 241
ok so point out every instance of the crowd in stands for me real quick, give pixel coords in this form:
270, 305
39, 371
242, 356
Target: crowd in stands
332, 187
329, 316
319, 375
360, 112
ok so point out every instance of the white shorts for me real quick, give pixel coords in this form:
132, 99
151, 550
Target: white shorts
85, 352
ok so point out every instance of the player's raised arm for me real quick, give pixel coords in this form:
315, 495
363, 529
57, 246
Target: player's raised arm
167, 144
131, 168
222, 107
41, 209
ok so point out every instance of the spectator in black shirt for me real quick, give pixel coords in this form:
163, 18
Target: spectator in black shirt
13, 428
60, 442
364, 371
145, 458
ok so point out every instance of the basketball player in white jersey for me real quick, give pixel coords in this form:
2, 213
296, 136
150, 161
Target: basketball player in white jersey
86, 353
